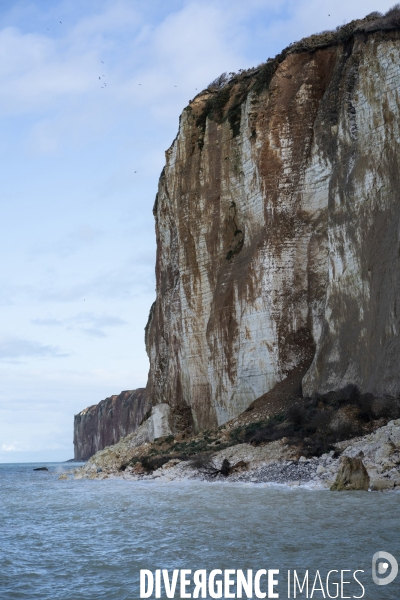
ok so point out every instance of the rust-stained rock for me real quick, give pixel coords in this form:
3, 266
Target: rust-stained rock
239, 467
106, 423
277, 220
352, 475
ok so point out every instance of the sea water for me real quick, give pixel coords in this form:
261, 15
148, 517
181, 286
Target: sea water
84, 539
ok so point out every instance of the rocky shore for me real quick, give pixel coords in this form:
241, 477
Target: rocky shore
276, 462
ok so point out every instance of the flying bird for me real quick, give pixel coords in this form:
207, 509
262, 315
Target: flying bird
102, 62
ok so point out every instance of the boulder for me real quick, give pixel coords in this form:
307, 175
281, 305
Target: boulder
352, 475
160, 421
239, 467
382, 485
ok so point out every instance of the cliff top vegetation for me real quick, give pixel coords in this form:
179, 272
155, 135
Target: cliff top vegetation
225, 95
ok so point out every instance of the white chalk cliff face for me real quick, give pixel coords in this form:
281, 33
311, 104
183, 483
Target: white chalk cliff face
278, 233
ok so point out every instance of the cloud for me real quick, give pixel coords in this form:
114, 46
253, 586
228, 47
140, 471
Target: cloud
119, 283
93, 332
85, 322
16, 348
71, 243
130, 279
60, 80
37, 69
98, 321
9, 448
47, 322
35, 72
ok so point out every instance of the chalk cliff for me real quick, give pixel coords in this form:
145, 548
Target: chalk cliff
278, 238
106, 423
278, 229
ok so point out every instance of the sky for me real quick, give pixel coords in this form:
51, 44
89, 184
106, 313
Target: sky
90, 98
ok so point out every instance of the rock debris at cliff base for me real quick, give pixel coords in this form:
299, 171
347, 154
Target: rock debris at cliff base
314, 472
136, 458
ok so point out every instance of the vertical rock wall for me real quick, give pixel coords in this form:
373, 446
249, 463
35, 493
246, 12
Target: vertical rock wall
359, 340
277, 223
105, 423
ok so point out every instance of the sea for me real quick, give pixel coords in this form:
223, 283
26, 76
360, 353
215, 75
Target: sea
89, 539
